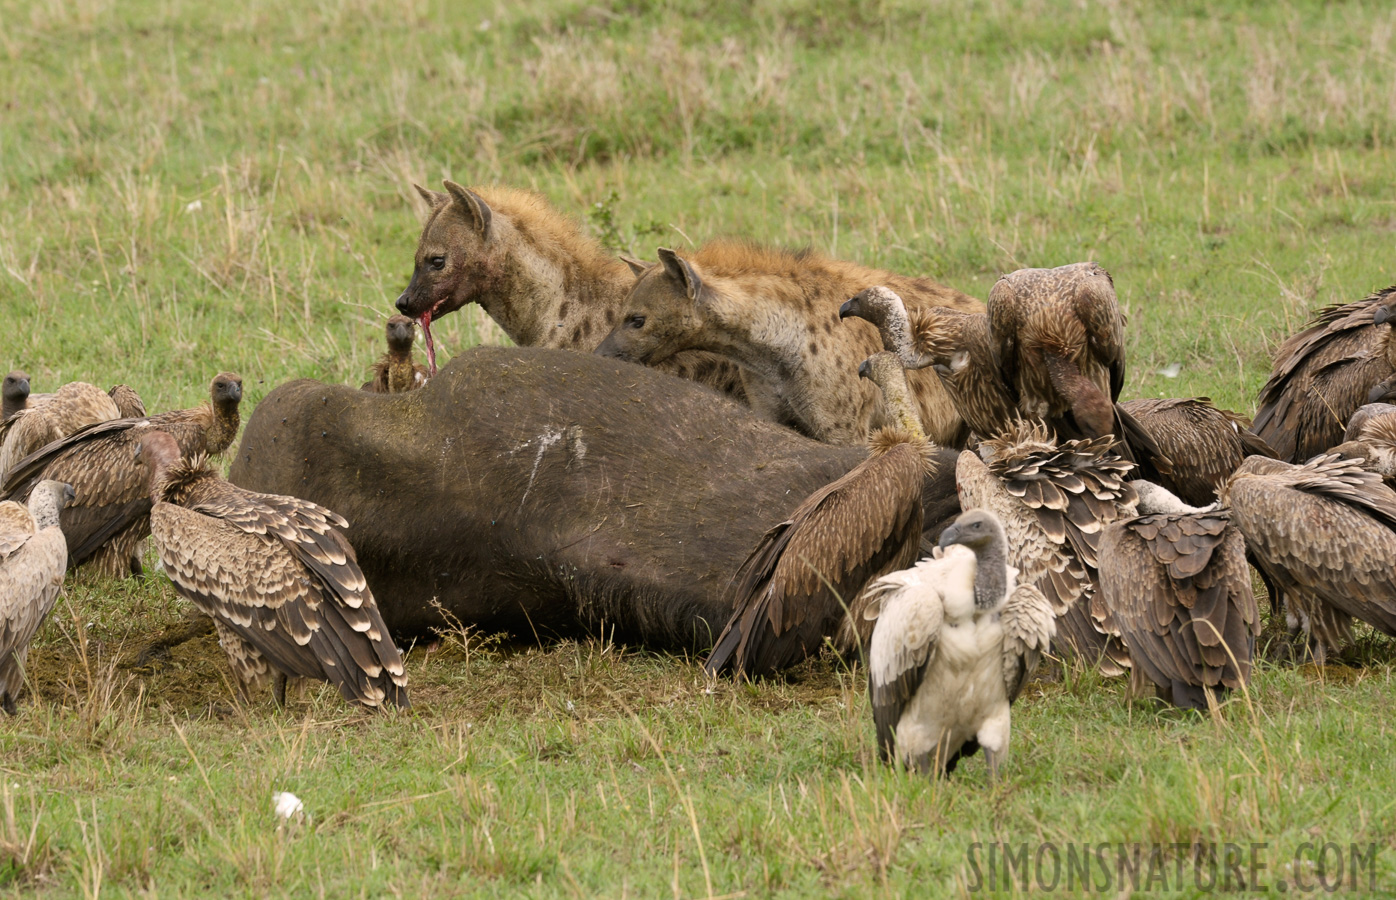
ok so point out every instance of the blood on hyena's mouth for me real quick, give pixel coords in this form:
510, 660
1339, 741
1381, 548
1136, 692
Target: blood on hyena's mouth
424, 320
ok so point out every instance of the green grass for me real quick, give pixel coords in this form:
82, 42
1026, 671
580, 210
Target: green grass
189, 187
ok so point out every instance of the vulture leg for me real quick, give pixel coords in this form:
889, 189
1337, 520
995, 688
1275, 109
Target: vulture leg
279, 690
8, 704
994, 760
137, 570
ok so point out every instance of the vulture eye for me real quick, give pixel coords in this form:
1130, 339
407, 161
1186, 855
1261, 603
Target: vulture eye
635, 322
437, 262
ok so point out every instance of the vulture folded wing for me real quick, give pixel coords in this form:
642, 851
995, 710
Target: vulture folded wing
791, 592
1028, 628
31, 575
1327, 527
903, 642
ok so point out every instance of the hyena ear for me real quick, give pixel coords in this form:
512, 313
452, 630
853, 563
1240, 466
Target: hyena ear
678, 269
637, 266
435, 199
474, 206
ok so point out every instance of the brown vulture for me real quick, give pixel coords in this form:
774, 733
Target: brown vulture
127, 401
1205, 444
1054, 500
33, 558
1323, 374
957, 637
276, 575
14, 396
955, 343
73, 406
1371, 437
803, 582
1058, 340
1177, 584
1323, 532
396, 371
112, 513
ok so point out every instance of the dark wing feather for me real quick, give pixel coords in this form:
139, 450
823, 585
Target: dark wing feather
861, 526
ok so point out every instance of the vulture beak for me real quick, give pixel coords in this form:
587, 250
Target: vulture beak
1382, 315
850, 308
863, 370
70, 496
1380, 392
948, 536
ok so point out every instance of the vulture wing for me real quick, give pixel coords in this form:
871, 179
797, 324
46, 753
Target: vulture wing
31, 575
1180, 591
910, 614
288, 588
790, 593
1028, 628
1327, 526
73, 406
1204, 443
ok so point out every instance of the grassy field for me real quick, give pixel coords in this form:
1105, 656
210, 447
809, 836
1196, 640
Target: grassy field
189, 187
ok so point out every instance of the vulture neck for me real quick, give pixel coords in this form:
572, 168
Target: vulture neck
897, 397
224, 427
44, 508
399, 370
1094, 414
990, 577
13, 403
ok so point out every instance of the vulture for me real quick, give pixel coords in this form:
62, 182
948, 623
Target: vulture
1058, 339
33, 558
111, 515
1178, 587
1325, 534
803, 581
73, 406
955, 343
277, 576
1322, 374
1054, 500
1205, 444
15, 395
396, 372
1371, 437
957, 637
127, 401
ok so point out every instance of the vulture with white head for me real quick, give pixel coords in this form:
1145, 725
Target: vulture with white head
1054, 500
396, 371
277, 576
1325, 534
1059, 343
1178, 587
111, 516
957, 637
33, 558
73, 406
1322, 374
803, 583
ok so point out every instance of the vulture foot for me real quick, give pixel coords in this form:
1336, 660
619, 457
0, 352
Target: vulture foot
279, 690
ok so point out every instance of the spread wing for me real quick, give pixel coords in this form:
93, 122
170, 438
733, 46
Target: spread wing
288, 589
904, 640
790, 593
1327, 526
1180, 591
1028, 628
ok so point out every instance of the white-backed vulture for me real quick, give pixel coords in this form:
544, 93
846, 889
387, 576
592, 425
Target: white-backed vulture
954, 343
1205, 444
277, 576
396, 371
33, 558
803, 582
72, 407
1323, 532
1178, 587
957, 638
1058, 340
112, 513
1322, 374
1054, 500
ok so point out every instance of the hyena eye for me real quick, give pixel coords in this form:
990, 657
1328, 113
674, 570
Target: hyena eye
437, 262
635, 322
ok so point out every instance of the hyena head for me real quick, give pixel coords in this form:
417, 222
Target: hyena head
453, 264
663, 313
